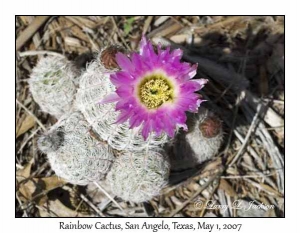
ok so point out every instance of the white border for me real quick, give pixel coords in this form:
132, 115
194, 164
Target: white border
139, 7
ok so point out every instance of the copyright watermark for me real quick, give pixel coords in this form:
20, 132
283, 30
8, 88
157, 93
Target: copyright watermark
237, 204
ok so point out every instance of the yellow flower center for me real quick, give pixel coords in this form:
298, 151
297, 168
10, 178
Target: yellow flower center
155, 90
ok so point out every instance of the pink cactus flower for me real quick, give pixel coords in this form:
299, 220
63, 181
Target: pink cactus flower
154, 89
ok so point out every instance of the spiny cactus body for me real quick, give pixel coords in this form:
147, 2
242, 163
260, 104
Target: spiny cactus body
140, 176
93, 87
74, 154
199, 144
52, 85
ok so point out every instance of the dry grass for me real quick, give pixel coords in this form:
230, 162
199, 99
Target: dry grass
243, 57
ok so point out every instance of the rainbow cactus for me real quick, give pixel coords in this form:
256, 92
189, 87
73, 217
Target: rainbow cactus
140, 176
201, 143
133, 105
52, 85
73, 151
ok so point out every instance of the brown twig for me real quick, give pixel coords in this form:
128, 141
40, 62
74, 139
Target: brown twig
203, 187
30, 30
92, 205
30, 113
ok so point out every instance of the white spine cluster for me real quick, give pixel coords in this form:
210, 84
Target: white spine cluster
199, 144
79, 157
93, 87
52, 85
140, 176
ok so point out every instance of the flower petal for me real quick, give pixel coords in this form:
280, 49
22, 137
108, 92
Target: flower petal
147, 128
169, 126
124, 62
190, 86
121, 78
126, 104
157, 124
124, 91
136, 120
177, 54
179, 116
113, 97
201, 81
190, 73
189, 102
123, 116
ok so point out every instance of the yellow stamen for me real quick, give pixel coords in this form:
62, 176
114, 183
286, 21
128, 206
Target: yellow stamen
155, 90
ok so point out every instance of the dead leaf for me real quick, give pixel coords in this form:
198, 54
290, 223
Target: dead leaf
36, 189
160, 20
179, 39
270, 190
95, 194
25, 172
211, 168
58, 209
227, 188
27, 124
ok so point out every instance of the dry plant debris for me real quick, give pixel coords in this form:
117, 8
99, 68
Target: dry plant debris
243, 58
